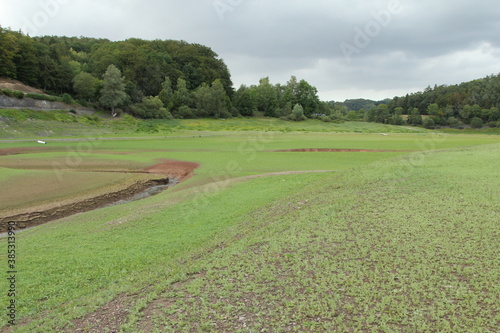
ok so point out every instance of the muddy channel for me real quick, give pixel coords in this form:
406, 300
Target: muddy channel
137, 191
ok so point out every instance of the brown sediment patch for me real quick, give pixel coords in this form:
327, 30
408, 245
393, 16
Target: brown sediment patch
333, 150
180, 170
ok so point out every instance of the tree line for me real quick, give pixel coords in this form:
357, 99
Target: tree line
76, 66
475, 103
168, 78
149, 79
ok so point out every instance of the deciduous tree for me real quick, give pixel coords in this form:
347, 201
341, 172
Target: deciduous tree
85, 85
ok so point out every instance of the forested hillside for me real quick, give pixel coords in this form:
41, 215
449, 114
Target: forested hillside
149, 79
168, 78
51, 63
476, 103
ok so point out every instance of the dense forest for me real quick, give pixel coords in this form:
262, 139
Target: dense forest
149, 79
476, 103
168, 78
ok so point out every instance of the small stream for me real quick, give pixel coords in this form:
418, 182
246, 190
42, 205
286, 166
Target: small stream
148, 192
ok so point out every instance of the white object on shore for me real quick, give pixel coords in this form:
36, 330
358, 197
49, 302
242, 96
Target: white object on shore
384, 134
42, 142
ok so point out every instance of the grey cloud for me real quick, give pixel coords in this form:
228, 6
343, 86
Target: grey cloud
425, 42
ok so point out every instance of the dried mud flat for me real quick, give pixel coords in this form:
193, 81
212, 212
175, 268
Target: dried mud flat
172, 169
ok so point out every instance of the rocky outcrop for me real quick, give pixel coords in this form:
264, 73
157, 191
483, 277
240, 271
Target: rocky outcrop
7, 102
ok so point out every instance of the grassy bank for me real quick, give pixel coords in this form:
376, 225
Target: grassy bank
398, 240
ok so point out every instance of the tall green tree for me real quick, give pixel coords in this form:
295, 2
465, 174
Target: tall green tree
166, 94
212, 101
85, 85
26, 60
307, 96
267, 97
220, 100
414, 117
8, 50
182, 96
244, 101
382, 114
113, 89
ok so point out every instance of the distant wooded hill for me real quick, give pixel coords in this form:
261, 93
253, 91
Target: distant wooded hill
165, 78
51, 63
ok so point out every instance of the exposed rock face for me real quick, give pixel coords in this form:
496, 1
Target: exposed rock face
7, 102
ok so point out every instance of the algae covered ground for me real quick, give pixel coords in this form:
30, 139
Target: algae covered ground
400, 234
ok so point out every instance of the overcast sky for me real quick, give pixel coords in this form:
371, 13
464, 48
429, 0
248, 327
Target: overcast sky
346, 48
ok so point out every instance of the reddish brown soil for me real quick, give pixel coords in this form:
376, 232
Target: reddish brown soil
179, 170
331, 150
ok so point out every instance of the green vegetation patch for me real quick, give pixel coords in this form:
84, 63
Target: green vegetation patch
392, 242
398, 246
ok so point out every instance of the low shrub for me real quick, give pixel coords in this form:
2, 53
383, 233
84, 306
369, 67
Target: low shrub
428, 123
476, 122
12, 93
42, 97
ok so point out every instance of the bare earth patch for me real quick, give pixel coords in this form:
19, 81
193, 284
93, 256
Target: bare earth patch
109, 318
179, 170
19, 86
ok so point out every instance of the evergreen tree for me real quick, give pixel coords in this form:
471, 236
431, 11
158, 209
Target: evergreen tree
113, 89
